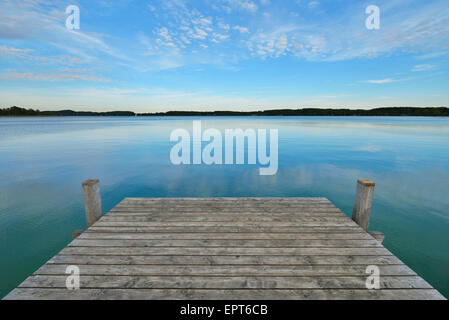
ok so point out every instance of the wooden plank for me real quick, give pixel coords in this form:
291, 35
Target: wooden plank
230, 205
223, 251
223, 236
227, 243
233, 210
169, 202
229, 260
104, 223
245, 229
234, 203
224, 201
222, 213
227, 199
220, 219
211, 282
230, 208
226, 271
241, 294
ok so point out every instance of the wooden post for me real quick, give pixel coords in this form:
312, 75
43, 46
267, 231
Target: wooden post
362, 202
77, 233
92, 201
379, 236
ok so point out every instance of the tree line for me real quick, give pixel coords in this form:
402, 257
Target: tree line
396, 111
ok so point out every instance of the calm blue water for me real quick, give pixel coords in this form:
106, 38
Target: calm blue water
44, 160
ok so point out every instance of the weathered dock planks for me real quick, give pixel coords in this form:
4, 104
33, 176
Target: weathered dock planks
225, 248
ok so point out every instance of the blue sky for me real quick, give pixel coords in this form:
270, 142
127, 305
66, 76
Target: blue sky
223, 54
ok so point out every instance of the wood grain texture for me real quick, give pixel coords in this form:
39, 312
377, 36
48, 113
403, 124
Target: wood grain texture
224, 248
228, 294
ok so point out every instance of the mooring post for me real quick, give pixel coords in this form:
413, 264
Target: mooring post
362, 202
77, 233
92, 201
379, 236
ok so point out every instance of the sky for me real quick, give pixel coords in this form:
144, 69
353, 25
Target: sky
159, 55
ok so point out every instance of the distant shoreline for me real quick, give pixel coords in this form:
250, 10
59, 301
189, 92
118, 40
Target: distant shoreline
377, 112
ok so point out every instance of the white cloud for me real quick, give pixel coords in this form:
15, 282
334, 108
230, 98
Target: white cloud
31, 57
370, 148
61, 75
431, 55
383, 81
245, 5
44, 21
273, 44
313, 4
423, 67
203, 21
220, 37
186, 29
163, 32
15, 52
198, 34
185, 40
250, 6
344, 37
182, 28
281, 45
241, 29
224, 26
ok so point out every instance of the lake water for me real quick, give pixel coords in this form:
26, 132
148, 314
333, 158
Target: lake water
44, 160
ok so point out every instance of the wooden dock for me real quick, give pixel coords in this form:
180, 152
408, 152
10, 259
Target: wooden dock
225, 248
